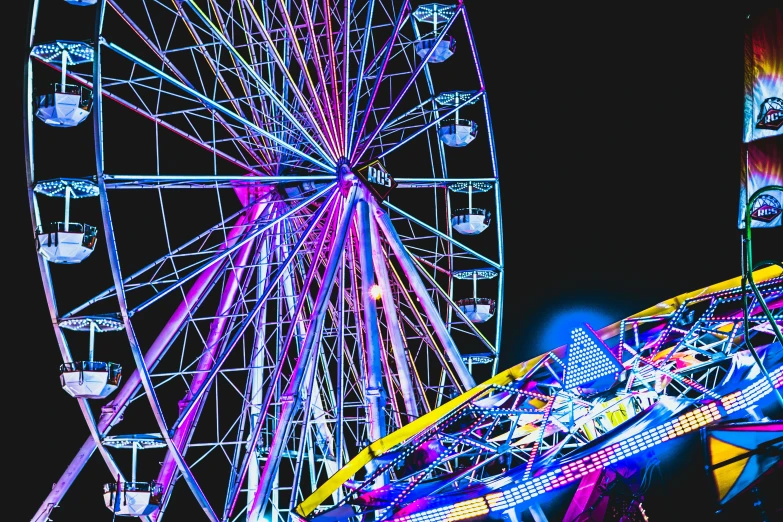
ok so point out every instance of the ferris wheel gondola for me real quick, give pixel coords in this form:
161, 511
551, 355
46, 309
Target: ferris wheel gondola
278, 247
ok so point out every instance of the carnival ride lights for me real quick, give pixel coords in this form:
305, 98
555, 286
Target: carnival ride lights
133, 498
435, 46
90, 379
679, 366
267, 360
455, 131
770, 114
477, 309
64, 241
470, 221
66, 105
587, 360
376, 292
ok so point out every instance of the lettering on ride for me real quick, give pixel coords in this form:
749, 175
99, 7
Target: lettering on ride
376, 178
766, 208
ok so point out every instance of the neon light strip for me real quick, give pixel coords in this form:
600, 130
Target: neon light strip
567, 473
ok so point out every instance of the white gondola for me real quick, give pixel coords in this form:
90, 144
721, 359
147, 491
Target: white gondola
90, 379
470, 221
476, 309
133, 498
65, 242
457, 132
65, 105
444, 49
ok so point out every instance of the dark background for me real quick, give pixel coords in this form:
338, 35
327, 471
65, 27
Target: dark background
618, 133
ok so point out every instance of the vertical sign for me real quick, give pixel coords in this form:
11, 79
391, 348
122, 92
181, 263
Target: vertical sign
762, 147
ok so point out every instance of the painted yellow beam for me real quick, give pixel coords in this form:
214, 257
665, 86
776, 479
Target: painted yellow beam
402, 435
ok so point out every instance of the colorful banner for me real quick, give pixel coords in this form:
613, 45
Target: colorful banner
762, 166
762, 160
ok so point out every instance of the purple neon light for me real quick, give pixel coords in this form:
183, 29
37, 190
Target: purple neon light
330, 142
572, 471
332, 207
364, 144
403, 16
209, 355
219, 77
162, 123
316, 58
271, 48
335, 101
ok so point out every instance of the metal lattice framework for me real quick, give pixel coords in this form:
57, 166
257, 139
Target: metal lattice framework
527, 430
291, 297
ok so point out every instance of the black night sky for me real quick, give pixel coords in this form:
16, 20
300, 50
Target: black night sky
618, 143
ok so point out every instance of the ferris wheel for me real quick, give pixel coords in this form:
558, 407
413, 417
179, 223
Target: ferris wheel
281, 237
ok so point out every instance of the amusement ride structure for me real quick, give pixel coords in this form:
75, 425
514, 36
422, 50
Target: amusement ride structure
301, 317
323, 267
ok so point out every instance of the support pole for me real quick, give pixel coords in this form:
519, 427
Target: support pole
63, 74
67, 217
393, 327
465, 379
747, 277
292, 398
375, 395
92, 340
135, 458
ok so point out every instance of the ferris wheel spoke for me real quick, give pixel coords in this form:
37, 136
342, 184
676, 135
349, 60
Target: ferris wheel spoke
215, 363
248, 214
355, 91
181, 431
420, 129
418, 323
216, 67
375, 394
345, 34
263, 85
302, 60
364, 143
393, 327
220, 256
333, 65
214, 105
466, 380
295, 307
163, 123
317, 123
402, 17
197, 181
327, 97
291, 398
155, 47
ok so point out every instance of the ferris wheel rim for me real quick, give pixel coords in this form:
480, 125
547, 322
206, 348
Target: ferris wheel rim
102, 178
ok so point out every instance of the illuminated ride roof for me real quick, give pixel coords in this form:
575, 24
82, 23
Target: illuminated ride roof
608, 395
